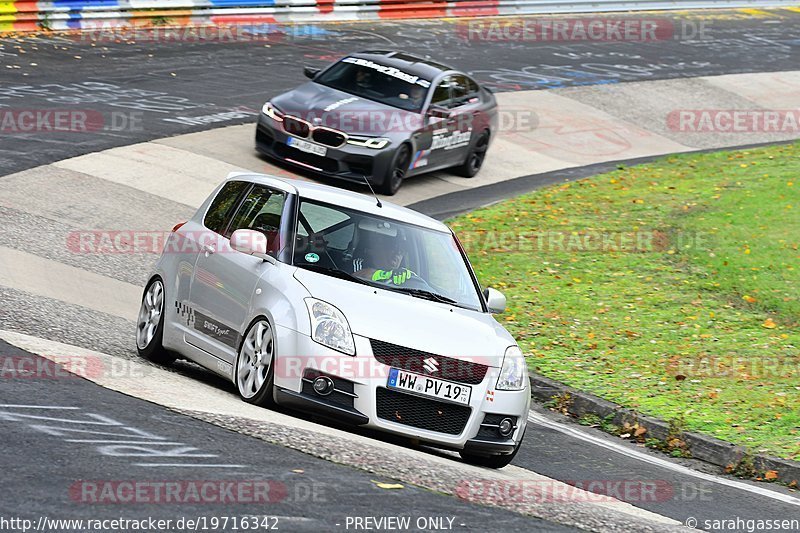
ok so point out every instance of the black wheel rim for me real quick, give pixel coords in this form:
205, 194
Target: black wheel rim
478, 153
399, 171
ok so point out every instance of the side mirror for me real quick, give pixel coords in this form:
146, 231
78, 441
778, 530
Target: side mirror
495, 300
250, 242
310, 72
438, 112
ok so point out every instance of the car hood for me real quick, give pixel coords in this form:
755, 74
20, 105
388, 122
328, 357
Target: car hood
345, 112
412, 322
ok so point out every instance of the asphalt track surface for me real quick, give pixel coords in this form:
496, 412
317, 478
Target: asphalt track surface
304, 493
141, 87
156, 84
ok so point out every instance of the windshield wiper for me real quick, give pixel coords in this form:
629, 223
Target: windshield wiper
333, 272
426, 295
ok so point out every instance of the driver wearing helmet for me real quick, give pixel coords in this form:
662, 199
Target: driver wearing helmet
383, 263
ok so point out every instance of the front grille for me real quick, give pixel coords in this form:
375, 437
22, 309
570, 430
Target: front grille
422, 413
295, 127
413, 360
325, 163
328, 137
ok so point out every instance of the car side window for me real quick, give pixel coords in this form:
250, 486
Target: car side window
221, 208
261, 211
441, 95
464, 90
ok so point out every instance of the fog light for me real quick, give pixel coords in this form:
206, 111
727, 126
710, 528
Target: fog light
323, 385
506, 427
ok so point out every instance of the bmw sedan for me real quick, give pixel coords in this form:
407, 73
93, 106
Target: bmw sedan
332, 302
380, 116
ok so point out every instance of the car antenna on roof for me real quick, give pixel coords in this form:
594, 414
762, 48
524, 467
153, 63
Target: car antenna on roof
366, 180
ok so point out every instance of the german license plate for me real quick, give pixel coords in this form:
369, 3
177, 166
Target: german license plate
428, 386
305, 146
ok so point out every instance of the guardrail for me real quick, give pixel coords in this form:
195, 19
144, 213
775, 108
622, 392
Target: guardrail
25, 15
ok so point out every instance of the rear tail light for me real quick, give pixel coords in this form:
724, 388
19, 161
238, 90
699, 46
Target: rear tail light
177, 226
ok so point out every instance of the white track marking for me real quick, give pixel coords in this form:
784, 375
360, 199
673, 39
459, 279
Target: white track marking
189, 465
18, 406
657, 461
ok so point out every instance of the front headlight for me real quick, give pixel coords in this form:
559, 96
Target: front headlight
269, 110
512, 375
370, 142
329, 327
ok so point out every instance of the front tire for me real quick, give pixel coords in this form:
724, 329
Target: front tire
472, 165
255, 371
397, 172
150, 325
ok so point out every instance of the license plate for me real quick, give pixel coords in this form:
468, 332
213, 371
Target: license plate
305, 146
428, 386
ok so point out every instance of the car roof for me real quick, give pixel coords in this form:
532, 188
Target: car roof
342, 197
419, 66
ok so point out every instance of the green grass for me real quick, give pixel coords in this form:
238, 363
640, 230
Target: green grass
697, 322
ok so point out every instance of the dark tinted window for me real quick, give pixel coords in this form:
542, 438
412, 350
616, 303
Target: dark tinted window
261, 211
220, 210
464, 90
441, 95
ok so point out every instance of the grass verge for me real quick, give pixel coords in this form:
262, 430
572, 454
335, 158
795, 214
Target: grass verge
672, 288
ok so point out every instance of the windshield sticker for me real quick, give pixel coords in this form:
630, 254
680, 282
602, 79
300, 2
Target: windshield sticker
312, 258
389, 71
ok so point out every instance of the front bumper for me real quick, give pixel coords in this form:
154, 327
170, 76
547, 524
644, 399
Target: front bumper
361, 397
347, 162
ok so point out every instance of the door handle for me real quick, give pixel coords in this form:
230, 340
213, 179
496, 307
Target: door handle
208, 249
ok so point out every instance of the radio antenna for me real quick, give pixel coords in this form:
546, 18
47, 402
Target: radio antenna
366, 180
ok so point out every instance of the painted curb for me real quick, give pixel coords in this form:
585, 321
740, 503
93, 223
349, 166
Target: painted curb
703, 447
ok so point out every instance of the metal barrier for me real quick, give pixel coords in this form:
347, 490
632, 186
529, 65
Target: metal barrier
25, 15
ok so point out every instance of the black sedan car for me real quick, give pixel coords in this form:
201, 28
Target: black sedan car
380, 116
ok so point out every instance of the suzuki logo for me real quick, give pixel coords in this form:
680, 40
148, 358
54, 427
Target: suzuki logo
431, 365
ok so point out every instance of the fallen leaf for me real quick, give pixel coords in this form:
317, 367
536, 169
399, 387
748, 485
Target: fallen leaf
749, 299
382, 485
769, 475
298, 470
769, 324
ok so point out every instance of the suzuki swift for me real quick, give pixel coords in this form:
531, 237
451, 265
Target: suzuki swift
332, 302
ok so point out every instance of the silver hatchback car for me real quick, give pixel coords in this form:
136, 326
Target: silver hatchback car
331, 302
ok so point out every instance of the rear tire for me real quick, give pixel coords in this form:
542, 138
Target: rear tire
397, 172
150, 325
474, 161
254, 368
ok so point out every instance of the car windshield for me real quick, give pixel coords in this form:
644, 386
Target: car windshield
373, 81
382, 252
